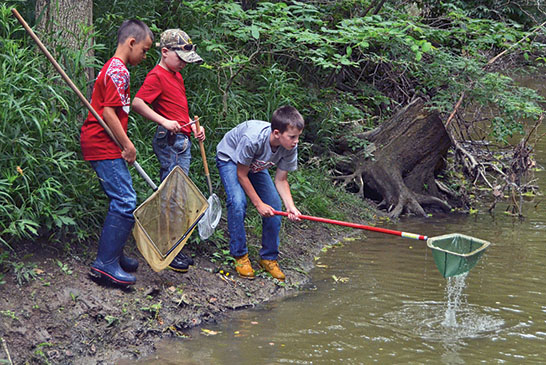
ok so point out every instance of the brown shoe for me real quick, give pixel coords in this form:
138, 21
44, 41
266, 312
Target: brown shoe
272, 267
243, 267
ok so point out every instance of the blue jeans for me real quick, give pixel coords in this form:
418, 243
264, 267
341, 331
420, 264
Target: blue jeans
171, 150
115, 180
236, 210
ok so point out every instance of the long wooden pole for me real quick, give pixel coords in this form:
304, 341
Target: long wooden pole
203, 155
78, 93
358, 226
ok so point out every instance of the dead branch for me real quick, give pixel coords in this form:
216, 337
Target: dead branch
515, 44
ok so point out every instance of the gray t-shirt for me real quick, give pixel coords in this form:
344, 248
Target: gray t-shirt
248, 144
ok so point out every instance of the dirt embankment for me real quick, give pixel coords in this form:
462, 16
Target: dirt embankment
63, 316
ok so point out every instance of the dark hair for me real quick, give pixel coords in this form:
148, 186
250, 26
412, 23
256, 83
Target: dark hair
286, 116
134, 28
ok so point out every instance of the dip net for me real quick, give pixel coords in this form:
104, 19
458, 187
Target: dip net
455, 253
165, 221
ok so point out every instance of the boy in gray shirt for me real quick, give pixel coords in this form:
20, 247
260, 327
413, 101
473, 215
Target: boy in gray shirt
243, 157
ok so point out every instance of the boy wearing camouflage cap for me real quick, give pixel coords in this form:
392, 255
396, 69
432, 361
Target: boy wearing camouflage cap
162, 99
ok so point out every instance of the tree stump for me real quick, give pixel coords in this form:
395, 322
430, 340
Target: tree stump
407, 151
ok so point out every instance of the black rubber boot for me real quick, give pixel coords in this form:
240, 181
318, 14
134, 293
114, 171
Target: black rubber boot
181, 263
186, 258
115, 232
128, 264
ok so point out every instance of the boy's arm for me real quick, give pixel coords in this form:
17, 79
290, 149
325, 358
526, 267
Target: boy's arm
144, 109
111, 119
281, 183
263, 209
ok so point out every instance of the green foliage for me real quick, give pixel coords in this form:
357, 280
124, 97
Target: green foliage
222, 257
64, 268
24, 272
2, 273
315, 195
524, 12
44, 187
111, 320
40, 353
153, 309
9, 314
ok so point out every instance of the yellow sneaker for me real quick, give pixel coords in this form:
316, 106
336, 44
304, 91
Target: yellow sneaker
272, 267
243, 267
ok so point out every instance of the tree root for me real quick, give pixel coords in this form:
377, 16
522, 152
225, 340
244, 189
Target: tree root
355, 177
412, 203
433, 201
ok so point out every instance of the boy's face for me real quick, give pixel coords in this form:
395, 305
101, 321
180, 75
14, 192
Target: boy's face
171, 60
289, 138
138, 50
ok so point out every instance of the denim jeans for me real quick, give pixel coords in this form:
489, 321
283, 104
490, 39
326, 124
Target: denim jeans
115, 180
171, 150
236, 210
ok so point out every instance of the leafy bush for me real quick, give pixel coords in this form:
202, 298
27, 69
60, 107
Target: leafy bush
44, 186
328, 59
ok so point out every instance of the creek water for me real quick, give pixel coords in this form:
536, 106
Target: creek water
381, 299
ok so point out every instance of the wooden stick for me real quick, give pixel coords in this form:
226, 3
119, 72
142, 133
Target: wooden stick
452, 115
203, 155
6, 350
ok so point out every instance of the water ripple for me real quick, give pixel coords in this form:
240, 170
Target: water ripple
426, 320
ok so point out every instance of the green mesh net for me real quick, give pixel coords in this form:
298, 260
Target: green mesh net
455, 254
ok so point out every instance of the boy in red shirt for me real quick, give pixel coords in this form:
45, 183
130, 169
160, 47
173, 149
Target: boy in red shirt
164, 90
111, 100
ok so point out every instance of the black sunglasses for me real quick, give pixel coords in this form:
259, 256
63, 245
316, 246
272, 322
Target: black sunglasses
186, 47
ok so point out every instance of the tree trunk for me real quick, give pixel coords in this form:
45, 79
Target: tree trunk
407, 151
62, 18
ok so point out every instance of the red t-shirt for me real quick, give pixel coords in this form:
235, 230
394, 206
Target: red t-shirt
165, 92
111, 89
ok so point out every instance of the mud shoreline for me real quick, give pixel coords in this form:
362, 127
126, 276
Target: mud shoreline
64, 316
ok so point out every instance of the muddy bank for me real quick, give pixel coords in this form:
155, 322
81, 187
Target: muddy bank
63, 316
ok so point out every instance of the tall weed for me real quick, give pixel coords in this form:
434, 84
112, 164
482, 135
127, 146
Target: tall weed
44, 189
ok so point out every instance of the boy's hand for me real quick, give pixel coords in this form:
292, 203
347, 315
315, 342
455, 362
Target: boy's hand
171, 125
199, 135
293, 214
265, 210
129, 154
128, 150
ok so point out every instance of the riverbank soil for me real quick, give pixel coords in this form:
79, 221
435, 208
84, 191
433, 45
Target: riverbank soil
62, 315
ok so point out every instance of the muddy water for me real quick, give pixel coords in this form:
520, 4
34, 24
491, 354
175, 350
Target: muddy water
380, 299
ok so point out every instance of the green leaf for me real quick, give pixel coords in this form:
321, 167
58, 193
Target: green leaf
255, 32
426, 46
364, 44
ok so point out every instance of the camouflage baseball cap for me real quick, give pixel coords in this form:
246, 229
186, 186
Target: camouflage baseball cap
178, 41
